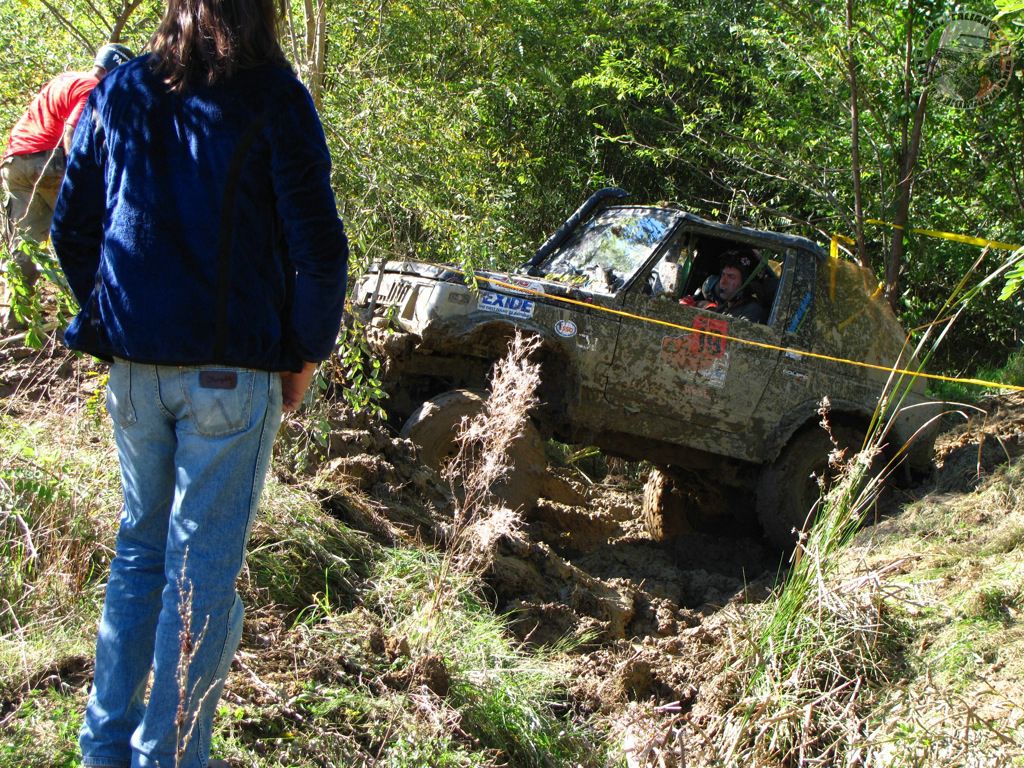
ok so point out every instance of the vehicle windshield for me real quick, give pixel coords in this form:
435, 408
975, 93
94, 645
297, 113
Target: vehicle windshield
603, 253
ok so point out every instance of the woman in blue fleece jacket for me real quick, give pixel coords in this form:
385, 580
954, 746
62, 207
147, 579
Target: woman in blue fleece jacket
199, 233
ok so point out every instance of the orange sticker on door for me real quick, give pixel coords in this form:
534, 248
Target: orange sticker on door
704, 357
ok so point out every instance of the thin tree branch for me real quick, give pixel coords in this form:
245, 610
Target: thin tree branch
67, 24
127, 9
99, 19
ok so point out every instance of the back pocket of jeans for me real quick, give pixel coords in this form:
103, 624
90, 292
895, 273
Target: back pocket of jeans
219, 399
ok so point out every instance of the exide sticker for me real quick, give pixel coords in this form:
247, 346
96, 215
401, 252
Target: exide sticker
565, 328
510, 306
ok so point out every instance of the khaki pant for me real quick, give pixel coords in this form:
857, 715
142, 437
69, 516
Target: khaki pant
30, 186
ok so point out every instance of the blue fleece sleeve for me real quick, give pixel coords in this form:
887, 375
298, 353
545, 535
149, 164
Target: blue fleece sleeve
77, 228
315, 237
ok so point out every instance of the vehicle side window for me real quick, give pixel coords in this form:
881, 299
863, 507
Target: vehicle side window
759, 268
690, 265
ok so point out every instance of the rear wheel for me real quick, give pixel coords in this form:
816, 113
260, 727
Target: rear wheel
664, 507
434, 427
789, 488
677, 502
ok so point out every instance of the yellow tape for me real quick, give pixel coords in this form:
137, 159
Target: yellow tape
748, 342
833, 252
978, 241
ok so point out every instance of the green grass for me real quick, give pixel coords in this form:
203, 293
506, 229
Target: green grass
299, 556
509, 701
1012, 372
44, 732
309, 687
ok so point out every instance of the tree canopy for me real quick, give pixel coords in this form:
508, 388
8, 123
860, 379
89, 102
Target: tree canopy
467, 131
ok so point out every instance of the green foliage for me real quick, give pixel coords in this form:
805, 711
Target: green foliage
456, 127
1012, 372
466, 132
33, 304
1014, 278
351, 375
360, 373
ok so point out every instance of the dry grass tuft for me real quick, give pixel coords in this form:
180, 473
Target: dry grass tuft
59, 500
482, 461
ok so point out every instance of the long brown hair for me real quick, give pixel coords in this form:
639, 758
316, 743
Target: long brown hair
207, 41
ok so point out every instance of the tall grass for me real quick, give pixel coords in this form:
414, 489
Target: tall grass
817, 651
482, 461
58, 508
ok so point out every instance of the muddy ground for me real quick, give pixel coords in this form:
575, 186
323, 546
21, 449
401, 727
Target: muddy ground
646, 611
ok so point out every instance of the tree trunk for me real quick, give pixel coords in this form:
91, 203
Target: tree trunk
316, 46
904, 193
861, 254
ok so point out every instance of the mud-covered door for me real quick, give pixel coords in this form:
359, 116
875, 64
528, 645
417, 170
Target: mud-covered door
693, 376
585, 336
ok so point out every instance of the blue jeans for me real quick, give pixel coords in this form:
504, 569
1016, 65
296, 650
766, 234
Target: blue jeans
194, 445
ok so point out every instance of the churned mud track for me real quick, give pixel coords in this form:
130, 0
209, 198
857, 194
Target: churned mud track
585, 571
591, 569
647, 613
590, 572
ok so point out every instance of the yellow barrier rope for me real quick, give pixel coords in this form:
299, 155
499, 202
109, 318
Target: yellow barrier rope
981, 242
749, 342
978, 241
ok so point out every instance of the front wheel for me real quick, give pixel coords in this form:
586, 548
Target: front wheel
434, 427
677, 502
789, 488
664, 507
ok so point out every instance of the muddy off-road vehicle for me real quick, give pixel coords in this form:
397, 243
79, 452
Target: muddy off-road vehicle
726, 408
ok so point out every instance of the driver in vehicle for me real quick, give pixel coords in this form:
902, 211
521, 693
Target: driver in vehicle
728, 292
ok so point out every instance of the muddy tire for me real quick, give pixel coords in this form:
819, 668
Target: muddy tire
786, 490
664, 507
678, 502
434, 427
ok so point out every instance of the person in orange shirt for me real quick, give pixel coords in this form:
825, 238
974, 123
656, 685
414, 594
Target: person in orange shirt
32, 166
